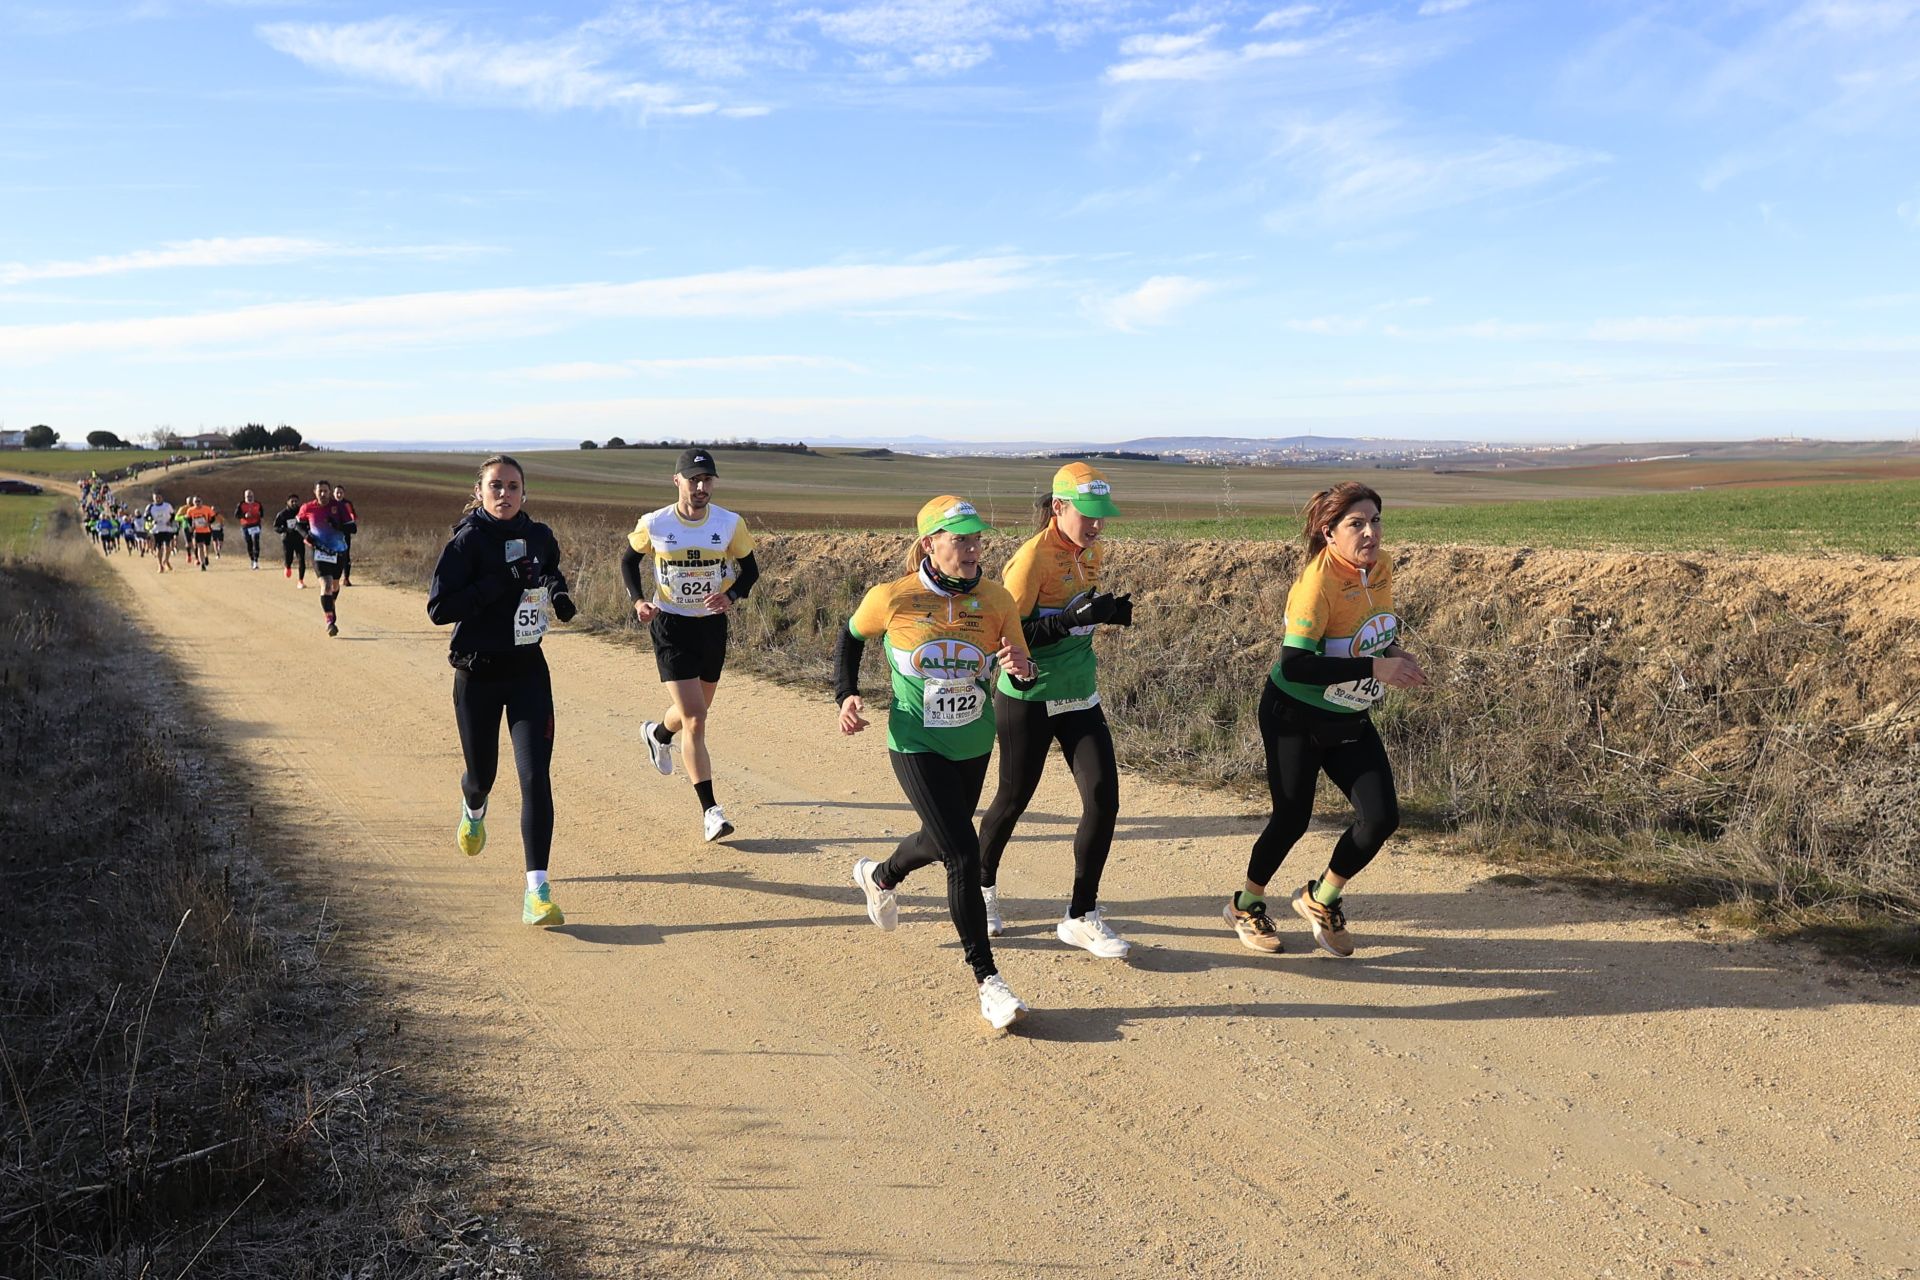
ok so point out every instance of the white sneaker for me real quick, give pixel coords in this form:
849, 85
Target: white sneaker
660, 752
883, 907
717, 824
990, 894
1090, 933
998, 1005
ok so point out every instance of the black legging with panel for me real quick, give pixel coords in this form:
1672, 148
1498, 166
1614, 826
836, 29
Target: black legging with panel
1300, 742
516, 685
944, 793
1026, 733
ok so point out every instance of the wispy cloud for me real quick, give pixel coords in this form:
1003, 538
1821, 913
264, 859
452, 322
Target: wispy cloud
1286, 19
461, 316
1789, 75
1439, 8
599, 371
1365, 169
221, 251
1155, 302
437, 60
1688, 328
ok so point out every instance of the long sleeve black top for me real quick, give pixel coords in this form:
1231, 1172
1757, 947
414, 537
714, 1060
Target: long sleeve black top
474, 587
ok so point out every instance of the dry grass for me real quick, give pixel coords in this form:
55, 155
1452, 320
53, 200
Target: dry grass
189, 1082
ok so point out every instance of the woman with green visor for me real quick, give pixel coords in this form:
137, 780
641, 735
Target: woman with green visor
945, 633
1054, 579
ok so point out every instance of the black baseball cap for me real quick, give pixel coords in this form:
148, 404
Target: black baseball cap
696, 462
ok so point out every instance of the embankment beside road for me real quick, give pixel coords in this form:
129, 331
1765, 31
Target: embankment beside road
1741, 732
194, 1080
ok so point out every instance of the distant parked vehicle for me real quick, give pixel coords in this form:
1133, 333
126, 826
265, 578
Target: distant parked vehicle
18, 486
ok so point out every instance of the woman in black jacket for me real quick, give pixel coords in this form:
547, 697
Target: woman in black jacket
496, 580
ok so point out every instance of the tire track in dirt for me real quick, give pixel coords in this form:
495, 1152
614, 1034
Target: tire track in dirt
718, 1068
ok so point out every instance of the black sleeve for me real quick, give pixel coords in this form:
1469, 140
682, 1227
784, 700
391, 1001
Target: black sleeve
1041, 632
1304, 667
556, 582
749, 574
306, 529
630, 573
846, 665
457, 594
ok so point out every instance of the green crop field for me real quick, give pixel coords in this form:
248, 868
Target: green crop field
23, 516
77, 464
1868, 517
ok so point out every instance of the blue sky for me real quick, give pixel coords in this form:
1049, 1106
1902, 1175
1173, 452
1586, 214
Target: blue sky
1089, 220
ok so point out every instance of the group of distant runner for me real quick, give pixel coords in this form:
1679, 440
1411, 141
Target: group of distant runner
323, 526
973, 664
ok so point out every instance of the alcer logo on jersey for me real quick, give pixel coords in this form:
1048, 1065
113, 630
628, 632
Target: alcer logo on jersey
947, 660
1375, 635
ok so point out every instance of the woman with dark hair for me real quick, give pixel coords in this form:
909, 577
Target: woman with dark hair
1341, 647
946, 633
497, 579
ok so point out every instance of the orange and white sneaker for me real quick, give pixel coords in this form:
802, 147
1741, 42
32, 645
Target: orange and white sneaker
1328, 920
1254, 926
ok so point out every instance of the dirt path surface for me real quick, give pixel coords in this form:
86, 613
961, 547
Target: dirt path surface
718, 1068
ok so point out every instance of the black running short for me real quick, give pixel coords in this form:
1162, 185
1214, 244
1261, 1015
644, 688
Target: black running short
219, 535
203, 536
163, 536
689, 648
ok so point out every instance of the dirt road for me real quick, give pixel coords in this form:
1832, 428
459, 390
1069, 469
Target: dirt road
718, 1068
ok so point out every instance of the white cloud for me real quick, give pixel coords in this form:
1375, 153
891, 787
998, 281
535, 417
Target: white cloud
431, 58
593, 371
1437, 8
1155, 302
1688, 328
1191, 58
218, 251
458, 316
1286, 19
1364, 171
1332, 326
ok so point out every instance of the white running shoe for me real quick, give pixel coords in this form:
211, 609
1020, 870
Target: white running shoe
660, 752
717, 824
990, 894
883, 907
1090, 933
998, 1005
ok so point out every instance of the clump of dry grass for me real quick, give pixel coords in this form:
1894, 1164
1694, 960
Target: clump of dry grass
1721, 732
187, 1082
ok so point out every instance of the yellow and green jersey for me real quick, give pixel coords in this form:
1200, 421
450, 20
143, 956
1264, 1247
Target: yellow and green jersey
1045, 575
1341, 611
941, 653
691, 561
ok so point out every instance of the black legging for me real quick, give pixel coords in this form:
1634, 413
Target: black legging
1299, 746
291, 547
944, 793
1025, 733
526, 697
252, 535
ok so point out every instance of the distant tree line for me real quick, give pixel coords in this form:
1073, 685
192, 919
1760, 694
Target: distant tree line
1116, 455
744, 446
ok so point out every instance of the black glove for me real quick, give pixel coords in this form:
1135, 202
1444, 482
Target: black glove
563, 606
1091, 611
1122, 610
521, 571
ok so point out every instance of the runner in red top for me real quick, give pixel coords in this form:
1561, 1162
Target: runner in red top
315, 521
248, 514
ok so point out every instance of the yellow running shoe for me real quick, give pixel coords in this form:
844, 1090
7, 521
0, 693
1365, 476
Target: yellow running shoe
539, 909
472, 834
